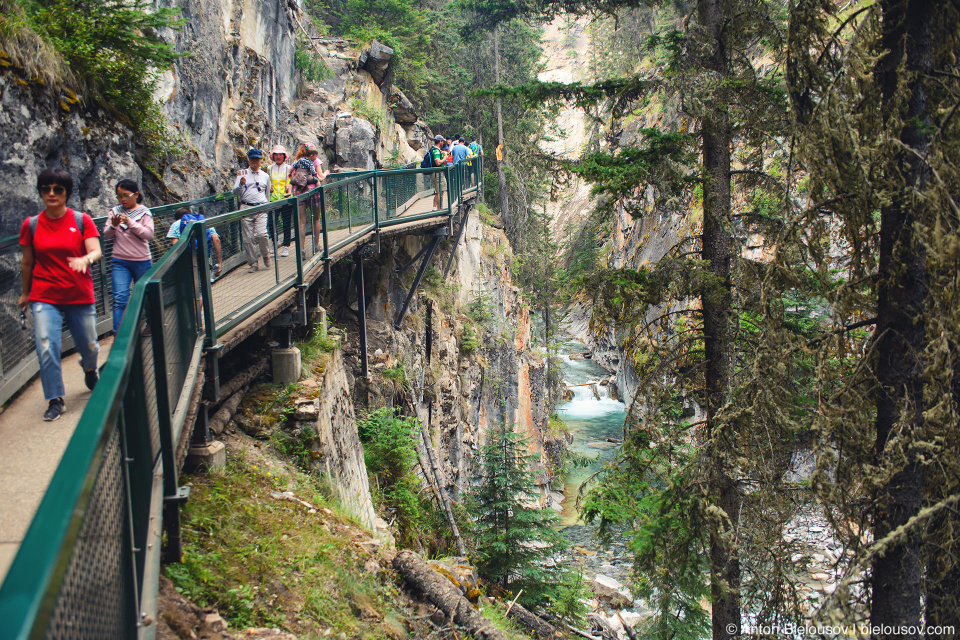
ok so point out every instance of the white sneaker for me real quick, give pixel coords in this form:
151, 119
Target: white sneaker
253, 268
284, 252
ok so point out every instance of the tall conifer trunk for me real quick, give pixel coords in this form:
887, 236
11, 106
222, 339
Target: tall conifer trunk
716, 307
501, 176
900, 324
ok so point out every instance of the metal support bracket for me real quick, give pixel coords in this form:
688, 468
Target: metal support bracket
361, 311
180, 497
456, 243
431, 249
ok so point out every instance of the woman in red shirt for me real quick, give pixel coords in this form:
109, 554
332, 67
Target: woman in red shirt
58, 249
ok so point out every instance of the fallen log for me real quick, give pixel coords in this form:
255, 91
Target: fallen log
220, 419
533, 622
441, 592
245, 377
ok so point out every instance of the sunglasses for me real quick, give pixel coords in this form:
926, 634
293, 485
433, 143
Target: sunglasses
55, 189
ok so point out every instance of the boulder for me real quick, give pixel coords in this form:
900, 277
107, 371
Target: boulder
376, 61
611, 590
355, 143
417, 134
403, 110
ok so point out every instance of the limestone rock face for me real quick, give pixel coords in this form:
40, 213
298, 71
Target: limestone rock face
238, 88
460, 393
37, 133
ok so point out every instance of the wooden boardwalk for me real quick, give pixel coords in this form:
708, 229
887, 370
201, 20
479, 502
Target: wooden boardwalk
33, 447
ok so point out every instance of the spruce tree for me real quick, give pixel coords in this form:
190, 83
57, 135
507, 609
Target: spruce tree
516, 539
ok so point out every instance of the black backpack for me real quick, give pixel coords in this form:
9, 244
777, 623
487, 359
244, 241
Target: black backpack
427, 161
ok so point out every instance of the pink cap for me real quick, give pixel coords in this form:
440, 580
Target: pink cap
280, 149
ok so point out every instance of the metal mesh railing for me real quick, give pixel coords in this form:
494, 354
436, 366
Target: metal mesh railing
88, 565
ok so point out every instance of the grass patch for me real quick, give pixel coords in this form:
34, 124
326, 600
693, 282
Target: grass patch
267, 562
371, 113
398, 374
315, 352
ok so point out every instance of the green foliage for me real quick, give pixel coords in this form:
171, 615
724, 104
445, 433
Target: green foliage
371, 113
407, 26
514, 537
648, 492
311, 65
479, 309
432, 278
567, 600
398, 374
468, 339
662, 159
389, 445
113, 52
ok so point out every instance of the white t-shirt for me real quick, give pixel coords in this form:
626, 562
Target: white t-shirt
256, 190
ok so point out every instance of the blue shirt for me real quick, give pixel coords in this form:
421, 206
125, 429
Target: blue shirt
459, 153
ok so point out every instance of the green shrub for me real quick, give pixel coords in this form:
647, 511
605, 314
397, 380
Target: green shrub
390, 453
311, 65
468, 339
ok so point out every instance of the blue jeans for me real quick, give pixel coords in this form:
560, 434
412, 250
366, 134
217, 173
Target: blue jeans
48, 326
123, 275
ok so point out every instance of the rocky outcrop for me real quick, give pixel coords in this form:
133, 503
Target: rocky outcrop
338, 448
404, 113
376, 61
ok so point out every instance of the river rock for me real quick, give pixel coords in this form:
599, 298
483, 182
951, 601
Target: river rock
610, 589
613, 391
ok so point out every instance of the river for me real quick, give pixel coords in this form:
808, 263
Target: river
591, 420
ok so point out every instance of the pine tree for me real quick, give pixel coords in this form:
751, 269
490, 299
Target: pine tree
516, 539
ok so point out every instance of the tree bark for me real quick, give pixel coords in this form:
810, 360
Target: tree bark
439, 591
501, 175
533, 622
220, 419
244, 378
445, 501
902, 280
716, 304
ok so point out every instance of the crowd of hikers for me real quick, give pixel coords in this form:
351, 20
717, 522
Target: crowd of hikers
448, 152
59, 246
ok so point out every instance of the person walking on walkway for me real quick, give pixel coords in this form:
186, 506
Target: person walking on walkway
181, 217
460, 151
280, 182
437, 158
59, 245
130, 224
254, 188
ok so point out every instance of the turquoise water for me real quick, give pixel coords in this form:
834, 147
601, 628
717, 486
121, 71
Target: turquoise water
590, 420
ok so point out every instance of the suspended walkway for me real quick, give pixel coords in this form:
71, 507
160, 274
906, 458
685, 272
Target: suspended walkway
88, 497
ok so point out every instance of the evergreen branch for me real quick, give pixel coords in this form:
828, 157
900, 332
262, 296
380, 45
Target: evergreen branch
843, 25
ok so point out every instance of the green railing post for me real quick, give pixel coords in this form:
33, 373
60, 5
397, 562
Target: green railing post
298, 240
209, 322
323, 223
376, 210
